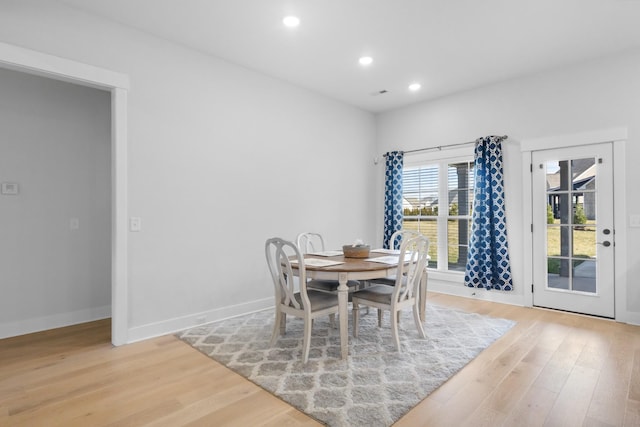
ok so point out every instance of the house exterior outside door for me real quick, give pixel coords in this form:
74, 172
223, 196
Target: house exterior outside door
573, 234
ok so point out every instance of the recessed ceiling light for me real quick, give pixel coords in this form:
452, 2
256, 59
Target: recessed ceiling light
291, 21
414, 87
365, 60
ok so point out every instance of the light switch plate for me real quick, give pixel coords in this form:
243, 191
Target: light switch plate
9, 188
634, 220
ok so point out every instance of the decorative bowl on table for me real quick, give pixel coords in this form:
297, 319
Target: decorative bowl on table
356, 251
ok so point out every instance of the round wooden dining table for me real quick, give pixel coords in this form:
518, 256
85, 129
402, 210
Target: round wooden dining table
354, 269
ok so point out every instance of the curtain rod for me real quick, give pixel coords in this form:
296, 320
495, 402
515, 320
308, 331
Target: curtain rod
440, 147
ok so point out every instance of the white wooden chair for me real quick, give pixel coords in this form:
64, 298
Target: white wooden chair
394, 243
411, 267
310, 242
399, 236
313, 242
306, 304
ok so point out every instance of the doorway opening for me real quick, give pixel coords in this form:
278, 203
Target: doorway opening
55, 250
37, 63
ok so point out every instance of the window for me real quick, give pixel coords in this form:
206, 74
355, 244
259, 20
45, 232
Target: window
437, 202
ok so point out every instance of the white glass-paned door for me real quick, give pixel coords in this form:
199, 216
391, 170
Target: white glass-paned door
573, 235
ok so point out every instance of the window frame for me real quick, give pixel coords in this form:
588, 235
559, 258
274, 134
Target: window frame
443, 158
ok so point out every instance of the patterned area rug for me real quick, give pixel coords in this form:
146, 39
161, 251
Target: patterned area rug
375, 386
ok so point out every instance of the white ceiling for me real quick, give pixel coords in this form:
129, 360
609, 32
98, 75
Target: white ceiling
446, 45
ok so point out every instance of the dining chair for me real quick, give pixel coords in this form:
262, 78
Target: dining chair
412, 261
399, 236
306, 303
394, 243
309, 242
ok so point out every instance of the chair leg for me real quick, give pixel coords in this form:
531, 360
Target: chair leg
332, 321
277, 327
306, 342
416, 317
283, 323
364, 285
356, 317
379, 318
394, 329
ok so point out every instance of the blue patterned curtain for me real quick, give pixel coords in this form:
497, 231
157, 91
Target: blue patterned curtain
488, 259
392, 195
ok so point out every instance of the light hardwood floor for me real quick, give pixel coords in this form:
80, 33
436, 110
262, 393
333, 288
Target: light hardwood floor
552, 368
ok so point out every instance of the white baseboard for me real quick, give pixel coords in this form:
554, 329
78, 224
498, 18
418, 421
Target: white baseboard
171, 326
457, 289
37, 324
629, 317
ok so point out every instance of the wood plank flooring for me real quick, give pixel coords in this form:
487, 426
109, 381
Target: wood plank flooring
551, 369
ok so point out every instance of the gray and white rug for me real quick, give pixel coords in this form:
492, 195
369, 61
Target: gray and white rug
375, 386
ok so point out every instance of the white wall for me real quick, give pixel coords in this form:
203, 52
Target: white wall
220, 159
55, 144
586, 97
